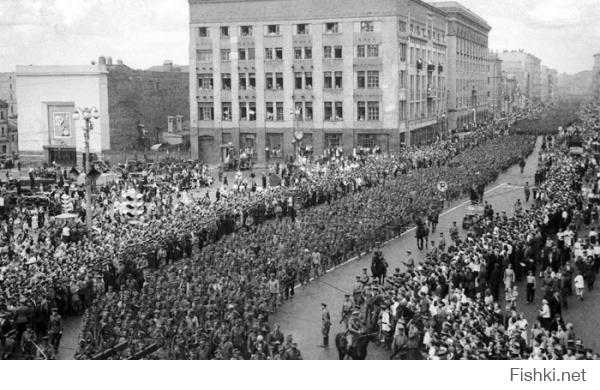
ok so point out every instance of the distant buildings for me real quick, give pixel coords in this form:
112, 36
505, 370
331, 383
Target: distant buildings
526, 69
134, 108
495, 93
8, 92
549, 84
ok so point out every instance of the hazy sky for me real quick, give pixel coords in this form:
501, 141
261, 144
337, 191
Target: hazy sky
563, 33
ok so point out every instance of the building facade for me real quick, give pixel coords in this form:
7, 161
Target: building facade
8, 92
270, 77
4, 131
526, 69
467, 66
495, 94
549, 84
133, 106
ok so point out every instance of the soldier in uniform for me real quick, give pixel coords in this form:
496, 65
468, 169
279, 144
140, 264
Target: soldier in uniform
55, 329
357, 290
325, 324
346, 310
354, 329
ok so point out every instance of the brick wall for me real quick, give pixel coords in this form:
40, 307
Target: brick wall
143, 97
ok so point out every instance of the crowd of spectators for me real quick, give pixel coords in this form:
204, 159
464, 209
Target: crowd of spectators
461, 303
135, 293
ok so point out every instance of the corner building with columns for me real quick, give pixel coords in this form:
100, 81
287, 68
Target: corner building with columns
270, 76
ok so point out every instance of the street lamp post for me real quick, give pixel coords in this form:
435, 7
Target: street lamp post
87, 114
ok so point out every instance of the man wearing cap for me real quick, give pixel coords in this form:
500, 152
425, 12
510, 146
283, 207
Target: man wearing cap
354, 329
325, 324
55, 329
346, 310
410, 263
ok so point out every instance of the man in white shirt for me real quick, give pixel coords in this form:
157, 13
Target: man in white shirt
579, 285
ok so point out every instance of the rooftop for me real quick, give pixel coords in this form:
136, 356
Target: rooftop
453, 7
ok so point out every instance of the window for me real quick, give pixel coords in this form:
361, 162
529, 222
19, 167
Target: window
205, 112
243, 81
308, 81
226, 111
367, 26
272, 29
269, 81
251, 80
403, 52
339, 111
278, 53
205, 81
243, 111
328, 112
373, 111
203, 32
270, 112
204, 55
402, 79
273, 144
225, 54
252, 111
242, 55
302, 29
361, 111
224, 32
298, 53
246, 31
361, 80
402, 26
373, 50
338, 80
250, 53
332, 28
360, 51
298, 111
333, 140
298, 80
279, 111
308, 111
327, 51
403, 110
226, 81
279, 80
268, 53
337, 52
327, 80
372, 79
308, 53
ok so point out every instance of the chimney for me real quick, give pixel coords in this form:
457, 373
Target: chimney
168, 65
109, 61
102, 60
119, 62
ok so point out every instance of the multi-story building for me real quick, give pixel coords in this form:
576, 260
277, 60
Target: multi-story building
133, 105
526, 69
269, 77
495, 94
4, 132
8, 92
467, 65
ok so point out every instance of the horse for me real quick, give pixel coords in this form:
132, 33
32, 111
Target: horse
358, 351
379, 266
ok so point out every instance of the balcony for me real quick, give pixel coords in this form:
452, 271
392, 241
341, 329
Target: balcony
430, 68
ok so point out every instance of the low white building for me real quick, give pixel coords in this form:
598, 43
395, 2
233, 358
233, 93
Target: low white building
48, 96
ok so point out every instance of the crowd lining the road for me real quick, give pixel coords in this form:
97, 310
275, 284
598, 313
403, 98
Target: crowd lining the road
461, 302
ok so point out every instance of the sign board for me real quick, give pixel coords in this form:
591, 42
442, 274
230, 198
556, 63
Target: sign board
442, 186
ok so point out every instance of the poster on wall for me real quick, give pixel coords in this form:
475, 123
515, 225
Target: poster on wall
62, 124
